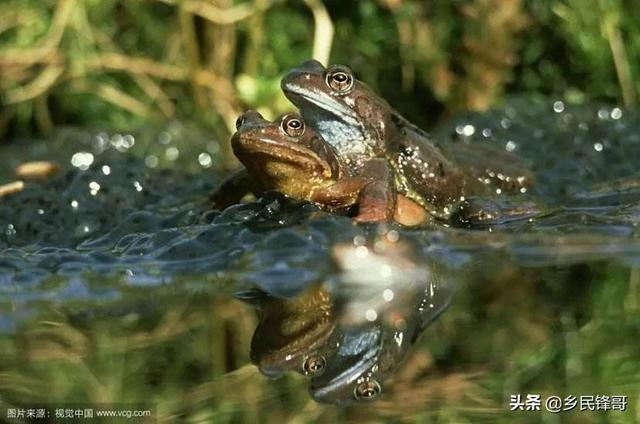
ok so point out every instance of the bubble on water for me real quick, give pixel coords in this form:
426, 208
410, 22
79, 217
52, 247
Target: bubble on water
106, 169
164, 137
172, 153
371, 315
11, 230
487, 132
558, 106
362, 251
204, 159
510, 146
598, 147
100, 142
603, 113
505, 123
137, 186
616, 113
151, 161
359, 240
393, 236
74, 204
213, 147
122, 143
94, 188
82, 160
468, 130
388, 295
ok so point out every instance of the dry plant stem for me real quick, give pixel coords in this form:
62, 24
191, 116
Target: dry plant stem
152, 89
323, 32
40, 85
407, 43
218, 15
114, 96
221, 45
220, 52
192, 51
256, 40
156, 95
42, 114
620, 61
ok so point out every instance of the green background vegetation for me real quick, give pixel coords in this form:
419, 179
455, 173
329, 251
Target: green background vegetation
129, 63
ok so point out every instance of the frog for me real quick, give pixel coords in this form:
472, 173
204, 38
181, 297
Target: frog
294, 334
288, 156
362, 126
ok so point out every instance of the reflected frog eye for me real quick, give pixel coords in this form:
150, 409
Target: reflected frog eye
293, 126
314, 365
367, 390
239, 121
340, 80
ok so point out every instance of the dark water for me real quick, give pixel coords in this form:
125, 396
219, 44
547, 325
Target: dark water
119, 284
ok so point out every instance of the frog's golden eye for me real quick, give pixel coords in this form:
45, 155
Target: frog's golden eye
340, 80
293, 126
367, 390
314, 365
240, 121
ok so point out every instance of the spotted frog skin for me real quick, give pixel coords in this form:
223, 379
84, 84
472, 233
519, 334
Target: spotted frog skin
361, 126
288, 156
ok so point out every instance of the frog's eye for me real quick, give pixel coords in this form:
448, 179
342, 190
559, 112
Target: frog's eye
240, 121
314, 365
367, 390
340, 80
293, 126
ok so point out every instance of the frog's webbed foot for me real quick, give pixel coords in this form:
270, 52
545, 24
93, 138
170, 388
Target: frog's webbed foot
232, 190
478, 212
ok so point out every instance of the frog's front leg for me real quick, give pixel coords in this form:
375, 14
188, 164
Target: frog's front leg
377, 200
232, 190
372, 190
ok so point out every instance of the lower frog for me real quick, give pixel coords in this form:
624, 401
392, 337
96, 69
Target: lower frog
287, 156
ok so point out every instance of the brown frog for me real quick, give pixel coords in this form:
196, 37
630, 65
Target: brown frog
288, 156
362, 126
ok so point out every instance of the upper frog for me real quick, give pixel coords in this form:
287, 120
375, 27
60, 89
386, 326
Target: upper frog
288, 156
361, 126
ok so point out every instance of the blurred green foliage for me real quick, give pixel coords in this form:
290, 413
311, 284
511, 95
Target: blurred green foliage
126, 63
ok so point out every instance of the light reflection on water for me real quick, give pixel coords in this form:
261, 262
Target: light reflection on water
123, 285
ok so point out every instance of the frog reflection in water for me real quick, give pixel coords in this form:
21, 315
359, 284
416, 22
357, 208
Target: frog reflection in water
295, 160
362, 126
349, 337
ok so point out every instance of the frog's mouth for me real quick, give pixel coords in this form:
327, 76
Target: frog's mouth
303, 96
267, 150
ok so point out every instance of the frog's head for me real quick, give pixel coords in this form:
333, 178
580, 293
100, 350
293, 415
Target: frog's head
284, 155
343, 109
294, 334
